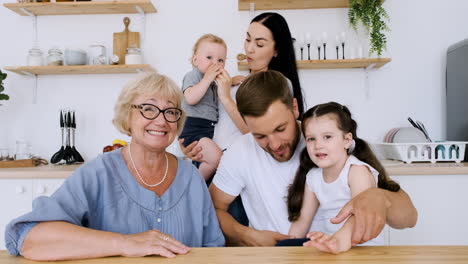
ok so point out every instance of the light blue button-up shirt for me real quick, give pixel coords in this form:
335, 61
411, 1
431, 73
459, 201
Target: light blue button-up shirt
103, 195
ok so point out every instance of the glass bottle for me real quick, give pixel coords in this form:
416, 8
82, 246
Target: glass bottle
35, 57
55, 57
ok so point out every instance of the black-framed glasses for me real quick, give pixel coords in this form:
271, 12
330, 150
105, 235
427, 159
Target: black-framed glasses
151, 112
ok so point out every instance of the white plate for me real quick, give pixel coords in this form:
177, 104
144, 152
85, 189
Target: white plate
409, 135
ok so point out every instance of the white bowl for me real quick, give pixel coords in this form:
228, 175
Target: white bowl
75, 57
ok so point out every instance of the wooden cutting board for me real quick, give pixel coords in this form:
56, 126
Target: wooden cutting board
17, 163
125, 39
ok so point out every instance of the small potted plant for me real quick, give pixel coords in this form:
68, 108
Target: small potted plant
2, 95
372, 16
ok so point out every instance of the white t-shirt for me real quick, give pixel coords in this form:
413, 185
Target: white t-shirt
333, 196
262, 182
226, 131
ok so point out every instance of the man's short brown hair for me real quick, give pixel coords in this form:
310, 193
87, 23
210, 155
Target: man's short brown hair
260, 90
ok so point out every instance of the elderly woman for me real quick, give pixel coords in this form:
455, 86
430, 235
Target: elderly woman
134, 201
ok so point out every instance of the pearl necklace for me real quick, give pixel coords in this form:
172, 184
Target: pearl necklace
138, 173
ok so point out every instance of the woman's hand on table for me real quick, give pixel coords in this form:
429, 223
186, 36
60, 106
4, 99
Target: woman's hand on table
152, 242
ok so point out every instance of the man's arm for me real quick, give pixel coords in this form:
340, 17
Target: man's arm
235, 233
373, 207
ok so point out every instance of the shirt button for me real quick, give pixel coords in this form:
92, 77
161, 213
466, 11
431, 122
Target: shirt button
159, 220
160, 208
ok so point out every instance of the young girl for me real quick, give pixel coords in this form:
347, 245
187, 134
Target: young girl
337, 166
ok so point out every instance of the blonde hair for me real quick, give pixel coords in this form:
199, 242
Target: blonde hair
146, 84
209, 38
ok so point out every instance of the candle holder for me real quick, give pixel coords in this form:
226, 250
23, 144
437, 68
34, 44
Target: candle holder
342, 39
308, 40
324, 41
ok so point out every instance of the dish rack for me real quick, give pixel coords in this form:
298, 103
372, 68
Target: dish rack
424, 152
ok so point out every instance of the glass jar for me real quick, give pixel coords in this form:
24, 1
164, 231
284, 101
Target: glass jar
133, 56
35, 57
55, 57
23, 150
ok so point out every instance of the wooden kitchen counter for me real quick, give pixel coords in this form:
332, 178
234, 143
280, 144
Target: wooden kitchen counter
42, 171
394, 168
244, 255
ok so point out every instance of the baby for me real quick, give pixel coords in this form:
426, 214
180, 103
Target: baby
200, 90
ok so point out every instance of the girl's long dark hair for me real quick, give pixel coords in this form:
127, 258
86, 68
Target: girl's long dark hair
285, 61
362, 151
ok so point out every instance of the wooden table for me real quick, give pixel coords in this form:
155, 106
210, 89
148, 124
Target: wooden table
244, 255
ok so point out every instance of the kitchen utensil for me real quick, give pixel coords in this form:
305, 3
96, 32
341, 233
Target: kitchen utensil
423, 129
17, 163
76, 155
423, 152
68, 152
420, 126
59, 154
124, 40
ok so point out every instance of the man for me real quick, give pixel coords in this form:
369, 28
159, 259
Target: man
261, 165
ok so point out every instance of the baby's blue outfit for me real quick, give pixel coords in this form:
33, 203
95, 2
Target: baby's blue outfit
103, 195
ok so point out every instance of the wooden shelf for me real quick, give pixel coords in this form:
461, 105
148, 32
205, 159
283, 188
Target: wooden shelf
292, 4
82, 8
79, 69
332, 64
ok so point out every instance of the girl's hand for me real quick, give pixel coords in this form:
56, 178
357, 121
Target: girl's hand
223, 80
192, 151
213, 71
237, 80
152, 242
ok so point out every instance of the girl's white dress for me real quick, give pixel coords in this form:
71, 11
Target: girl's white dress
333, 196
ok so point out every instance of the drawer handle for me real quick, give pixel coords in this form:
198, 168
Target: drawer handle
20, 189
41, 189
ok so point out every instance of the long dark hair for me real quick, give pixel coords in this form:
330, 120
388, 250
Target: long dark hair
361, 150
285, 61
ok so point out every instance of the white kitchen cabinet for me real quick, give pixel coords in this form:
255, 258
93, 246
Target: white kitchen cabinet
16, 196
442, 202
45, 187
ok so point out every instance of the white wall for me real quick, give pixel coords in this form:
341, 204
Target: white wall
412, 84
